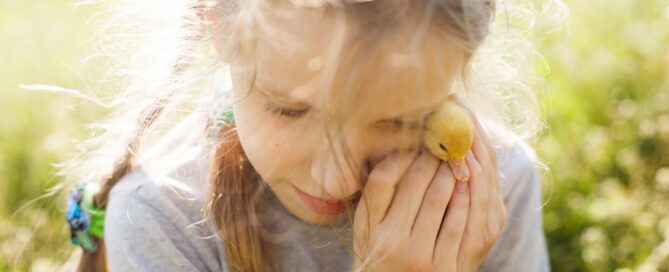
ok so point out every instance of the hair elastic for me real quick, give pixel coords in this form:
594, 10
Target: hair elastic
85, 220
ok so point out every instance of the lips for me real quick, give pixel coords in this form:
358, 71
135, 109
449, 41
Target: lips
321, 206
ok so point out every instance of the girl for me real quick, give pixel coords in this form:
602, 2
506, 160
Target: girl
300, 149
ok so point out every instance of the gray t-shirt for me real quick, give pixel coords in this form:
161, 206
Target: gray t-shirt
152, 226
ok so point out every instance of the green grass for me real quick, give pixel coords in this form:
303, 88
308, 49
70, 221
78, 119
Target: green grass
608, 110
42, 42
606, 103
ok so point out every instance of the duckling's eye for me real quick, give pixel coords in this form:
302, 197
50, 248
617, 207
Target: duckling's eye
443, 147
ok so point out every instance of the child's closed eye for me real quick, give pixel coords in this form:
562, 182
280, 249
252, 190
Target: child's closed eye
284, 111
401, 124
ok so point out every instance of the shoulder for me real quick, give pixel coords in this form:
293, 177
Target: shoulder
519, 168
154, 225
137, 197
521, 245
176, 193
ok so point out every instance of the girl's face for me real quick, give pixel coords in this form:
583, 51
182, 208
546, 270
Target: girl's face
377, 94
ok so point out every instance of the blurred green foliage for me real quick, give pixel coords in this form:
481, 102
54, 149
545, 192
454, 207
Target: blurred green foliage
41, 41
607, 106
606, 101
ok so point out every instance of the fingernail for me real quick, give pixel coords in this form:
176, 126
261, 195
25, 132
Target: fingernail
388, 163
461, 186
460, 170
463, 176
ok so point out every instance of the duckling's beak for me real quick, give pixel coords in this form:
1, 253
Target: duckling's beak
460, 170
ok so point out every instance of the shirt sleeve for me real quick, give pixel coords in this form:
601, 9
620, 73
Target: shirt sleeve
146, 231
522, 243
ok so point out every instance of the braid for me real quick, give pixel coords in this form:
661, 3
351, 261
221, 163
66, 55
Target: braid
101, 198
97, 261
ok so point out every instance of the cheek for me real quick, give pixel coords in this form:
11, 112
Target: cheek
274, 145
279, 147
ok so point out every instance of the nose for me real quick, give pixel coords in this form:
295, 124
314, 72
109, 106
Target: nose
340, 176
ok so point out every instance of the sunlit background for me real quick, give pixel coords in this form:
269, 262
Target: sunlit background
606, 101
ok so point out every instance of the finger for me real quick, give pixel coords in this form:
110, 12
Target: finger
411, 190
460, 170
480, 151
484, 137
453, 227
431, 214
478, 212
496, 215
496, 208
488, 162
380, 187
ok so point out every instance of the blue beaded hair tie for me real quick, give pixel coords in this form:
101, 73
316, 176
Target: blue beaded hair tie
222, 114
223, 97
225, 116
85, 220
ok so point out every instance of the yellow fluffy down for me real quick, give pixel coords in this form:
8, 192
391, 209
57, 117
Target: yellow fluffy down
449, 131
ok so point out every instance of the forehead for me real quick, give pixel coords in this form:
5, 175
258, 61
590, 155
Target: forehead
308, 55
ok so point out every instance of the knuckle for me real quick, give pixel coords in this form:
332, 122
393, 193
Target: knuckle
419, 262
495, 176
361, 233
480, 254
361, 212
421, 267
388, 248
425, 163
462, 202
492, 232
437, 196
478, 249
493, 156
476, 167
434, 203
484, 204
388, 170
452, 234
379, 180
504, 217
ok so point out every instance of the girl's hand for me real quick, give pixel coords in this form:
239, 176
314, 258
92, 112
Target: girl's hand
487, 213
414, 217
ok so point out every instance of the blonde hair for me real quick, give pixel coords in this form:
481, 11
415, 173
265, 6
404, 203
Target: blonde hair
162, 71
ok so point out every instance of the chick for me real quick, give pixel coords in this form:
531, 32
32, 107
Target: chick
449, 135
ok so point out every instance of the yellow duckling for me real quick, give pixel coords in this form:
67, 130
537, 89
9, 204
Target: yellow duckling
449, 135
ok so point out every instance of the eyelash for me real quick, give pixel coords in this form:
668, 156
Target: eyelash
400, 124
285, 112
396, 124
